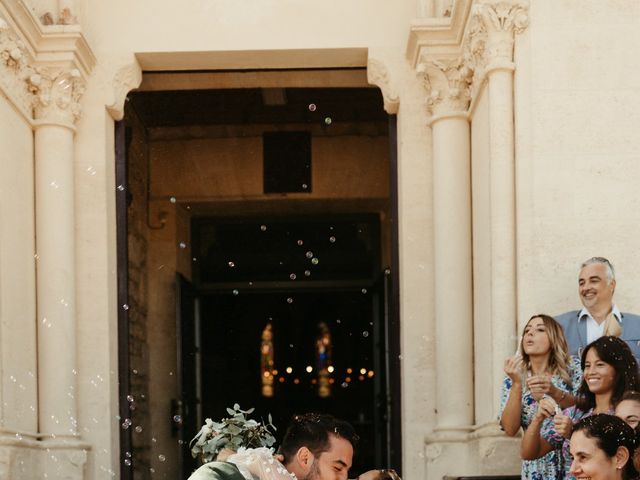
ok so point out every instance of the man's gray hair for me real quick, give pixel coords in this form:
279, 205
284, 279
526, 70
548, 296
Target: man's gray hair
611, 274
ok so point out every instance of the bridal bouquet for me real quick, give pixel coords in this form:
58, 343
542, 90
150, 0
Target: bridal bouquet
233, 433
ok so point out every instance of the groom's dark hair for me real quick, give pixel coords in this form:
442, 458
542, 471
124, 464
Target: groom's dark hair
312, 430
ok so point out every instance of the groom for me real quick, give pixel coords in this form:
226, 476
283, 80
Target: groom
315, 447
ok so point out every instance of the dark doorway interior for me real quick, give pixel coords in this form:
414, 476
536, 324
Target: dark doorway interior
306, 277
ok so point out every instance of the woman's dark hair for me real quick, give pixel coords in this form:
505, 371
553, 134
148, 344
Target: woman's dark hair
312, 430
610, 433
616, 353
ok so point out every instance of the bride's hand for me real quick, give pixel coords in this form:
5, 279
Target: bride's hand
224, 454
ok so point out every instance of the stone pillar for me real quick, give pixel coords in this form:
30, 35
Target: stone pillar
448, 87
57, 94
501, 20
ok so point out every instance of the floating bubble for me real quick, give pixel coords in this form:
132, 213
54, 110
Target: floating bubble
177, 418
130, 398
162, 458
182, 245
135, 372
290, 346
309, 254
315, 261
305, 186
194, 259
263, 228
312, 107
120, 188
231, 264
327, 120
235, 291
344, 384
289, 300
338, 321
332, 239
365, 334
292, 276
127, 462
364, 290
91, 171
172, 199
126, 424
125, 306
127, 454
307, 273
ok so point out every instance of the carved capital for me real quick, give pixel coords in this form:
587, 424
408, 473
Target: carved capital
378, 74
501, 19
57, 94
448, 86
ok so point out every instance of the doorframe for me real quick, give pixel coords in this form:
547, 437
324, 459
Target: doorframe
394, 345
122, 230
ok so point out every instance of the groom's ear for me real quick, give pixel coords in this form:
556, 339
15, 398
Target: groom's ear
304, 458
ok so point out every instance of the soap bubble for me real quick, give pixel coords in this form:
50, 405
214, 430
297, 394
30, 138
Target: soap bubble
289, 300
172, 199
332, 239
292, 276
327, 121
312, 107
315, 261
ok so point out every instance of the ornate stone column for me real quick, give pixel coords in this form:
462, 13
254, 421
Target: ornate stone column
57, 93
447, 84
501, 20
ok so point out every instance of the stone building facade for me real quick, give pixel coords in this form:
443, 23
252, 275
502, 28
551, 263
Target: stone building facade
517, 153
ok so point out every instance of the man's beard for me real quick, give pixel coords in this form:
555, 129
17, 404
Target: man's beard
314, 473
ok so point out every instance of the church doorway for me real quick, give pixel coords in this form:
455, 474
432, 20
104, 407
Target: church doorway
258, 266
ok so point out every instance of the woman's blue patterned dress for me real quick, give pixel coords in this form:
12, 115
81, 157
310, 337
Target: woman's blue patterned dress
550, 466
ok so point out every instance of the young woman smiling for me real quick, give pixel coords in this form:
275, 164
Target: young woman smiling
601, 448
544, 368
609, 369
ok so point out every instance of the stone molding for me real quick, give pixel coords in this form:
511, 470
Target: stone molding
15, 68
125, 79
454, 63
42, 68
378, 74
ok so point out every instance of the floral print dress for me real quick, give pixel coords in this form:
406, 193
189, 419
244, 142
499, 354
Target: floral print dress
557, 441
550, 466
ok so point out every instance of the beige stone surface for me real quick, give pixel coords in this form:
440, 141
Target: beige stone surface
577, 169
18, 366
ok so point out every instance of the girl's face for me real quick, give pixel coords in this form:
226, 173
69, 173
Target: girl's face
535, 339
599, 375
629, 411
590, 462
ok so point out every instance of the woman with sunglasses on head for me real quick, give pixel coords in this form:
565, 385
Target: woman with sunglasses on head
602, 448
609, 369
543, 367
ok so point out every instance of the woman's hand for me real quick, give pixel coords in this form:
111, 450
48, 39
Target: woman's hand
546, 409
513, 368
540, 385
563, 425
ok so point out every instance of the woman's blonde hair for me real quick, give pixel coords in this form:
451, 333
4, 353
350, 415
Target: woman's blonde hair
559, 353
